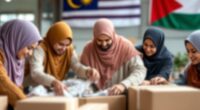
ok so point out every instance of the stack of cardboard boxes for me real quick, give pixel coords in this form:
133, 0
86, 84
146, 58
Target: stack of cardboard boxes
139, 98
63, 103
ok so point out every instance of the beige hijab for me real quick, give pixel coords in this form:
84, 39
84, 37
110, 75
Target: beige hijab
57, 65
107, 62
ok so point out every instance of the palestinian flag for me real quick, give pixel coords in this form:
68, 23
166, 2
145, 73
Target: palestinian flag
175, 14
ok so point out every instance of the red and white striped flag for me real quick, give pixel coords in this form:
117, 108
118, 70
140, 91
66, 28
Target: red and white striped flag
84, 13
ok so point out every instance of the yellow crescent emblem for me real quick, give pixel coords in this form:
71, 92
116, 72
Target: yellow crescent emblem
72, 4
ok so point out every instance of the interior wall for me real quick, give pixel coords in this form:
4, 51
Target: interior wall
17, 6
174, 38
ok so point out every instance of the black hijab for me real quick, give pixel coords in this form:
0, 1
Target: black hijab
161, 63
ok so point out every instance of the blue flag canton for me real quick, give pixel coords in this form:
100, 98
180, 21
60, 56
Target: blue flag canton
73, 5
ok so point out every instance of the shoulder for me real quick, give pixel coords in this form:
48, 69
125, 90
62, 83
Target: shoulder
139, 48
167, 54
135, 60
74, 54
43, 45
38, 52
39, 49
88, 46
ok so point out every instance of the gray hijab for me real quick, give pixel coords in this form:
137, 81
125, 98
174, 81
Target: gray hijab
194, 39
15, 35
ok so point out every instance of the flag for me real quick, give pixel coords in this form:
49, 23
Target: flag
175, 14
84, 13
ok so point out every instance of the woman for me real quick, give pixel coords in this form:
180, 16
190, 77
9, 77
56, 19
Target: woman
119, 64
157, 59
17, 40
54, 57
192, 72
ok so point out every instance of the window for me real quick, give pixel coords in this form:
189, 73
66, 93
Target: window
4, 17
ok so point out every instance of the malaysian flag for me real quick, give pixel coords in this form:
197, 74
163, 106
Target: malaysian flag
84, 13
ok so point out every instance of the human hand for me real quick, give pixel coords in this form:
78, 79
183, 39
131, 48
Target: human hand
145, 83
93, 74
117, 89
59, 87
158, 80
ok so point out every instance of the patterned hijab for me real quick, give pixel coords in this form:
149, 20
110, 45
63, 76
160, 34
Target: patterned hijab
193, 74
57, 65
154, 64
15, 35
107, 62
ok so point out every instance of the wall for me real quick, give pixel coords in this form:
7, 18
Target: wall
174, 38
17, 6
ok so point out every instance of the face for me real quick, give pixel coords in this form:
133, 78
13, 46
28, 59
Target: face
104, 42
149, 47
193, 54
61, 46
26, 51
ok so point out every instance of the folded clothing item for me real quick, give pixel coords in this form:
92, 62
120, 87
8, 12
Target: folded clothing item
75, 88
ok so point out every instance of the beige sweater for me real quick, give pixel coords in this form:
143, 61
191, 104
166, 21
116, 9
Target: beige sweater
37, 68
132, 73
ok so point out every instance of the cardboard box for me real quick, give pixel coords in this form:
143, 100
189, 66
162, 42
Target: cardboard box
63, 103
133, 98
3, 102
47, 103
169, 98
114, 102
94, 106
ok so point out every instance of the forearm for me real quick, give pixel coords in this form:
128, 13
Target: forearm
165, 72
42, 78
164, 75
137, 73
77, 67
135, 78
37, 68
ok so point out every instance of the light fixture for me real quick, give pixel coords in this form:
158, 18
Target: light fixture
8, 1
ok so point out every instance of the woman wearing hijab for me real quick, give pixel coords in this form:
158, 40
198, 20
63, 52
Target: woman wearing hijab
192, 72
17, 40
119, 65
55, 56
157, 59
